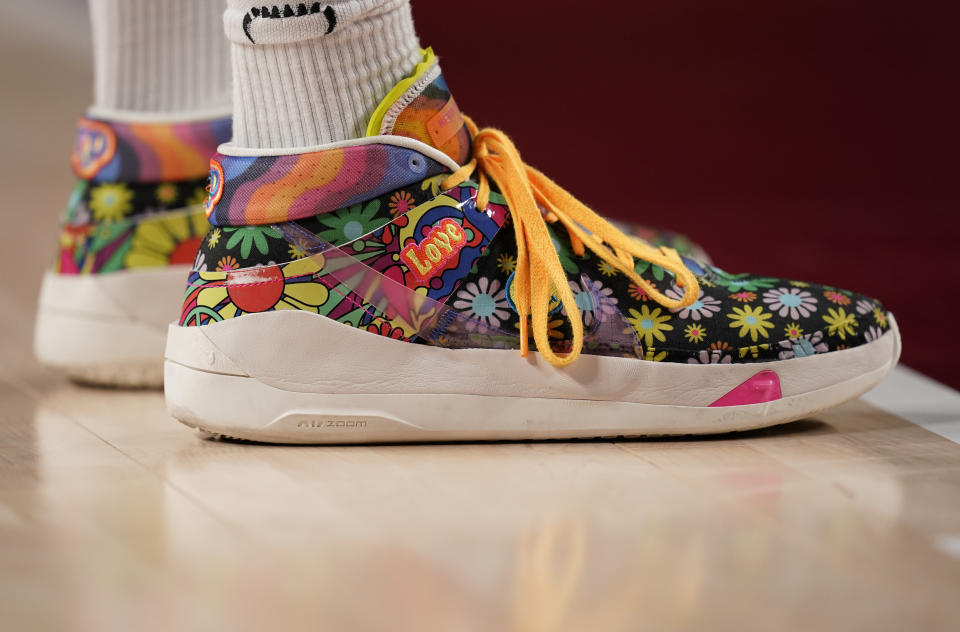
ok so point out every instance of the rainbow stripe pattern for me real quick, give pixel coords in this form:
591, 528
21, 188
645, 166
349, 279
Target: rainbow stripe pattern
433, 117
106, 151
253, 190
365, 282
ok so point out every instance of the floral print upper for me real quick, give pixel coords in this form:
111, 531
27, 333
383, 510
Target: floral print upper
736, 318
114, 226
139, 200
389, 266
368, 265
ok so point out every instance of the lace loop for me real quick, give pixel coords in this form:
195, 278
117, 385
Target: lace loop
534, 200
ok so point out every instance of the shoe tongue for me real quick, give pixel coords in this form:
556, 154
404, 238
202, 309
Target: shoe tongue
421, 107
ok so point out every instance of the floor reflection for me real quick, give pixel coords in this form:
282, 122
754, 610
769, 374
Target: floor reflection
549, 567
126, 511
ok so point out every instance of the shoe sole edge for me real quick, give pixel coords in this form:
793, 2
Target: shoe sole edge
110, 329
230, 396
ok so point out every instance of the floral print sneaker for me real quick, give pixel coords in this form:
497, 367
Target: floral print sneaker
423, 283
130, 234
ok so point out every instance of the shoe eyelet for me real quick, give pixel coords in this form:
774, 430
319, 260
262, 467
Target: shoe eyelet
417, 163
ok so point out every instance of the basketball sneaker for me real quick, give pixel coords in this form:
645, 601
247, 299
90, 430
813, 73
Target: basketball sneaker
423, 283
132, 229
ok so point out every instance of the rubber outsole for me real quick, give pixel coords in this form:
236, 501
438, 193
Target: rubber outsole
246, 396
109, 329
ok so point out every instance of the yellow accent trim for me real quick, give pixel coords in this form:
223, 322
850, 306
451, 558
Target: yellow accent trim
373, 127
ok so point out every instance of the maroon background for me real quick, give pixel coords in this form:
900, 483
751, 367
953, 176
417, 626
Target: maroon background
815, 140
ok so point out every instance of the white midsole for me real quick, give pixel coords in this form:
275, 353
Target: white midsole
117, 319
260, 376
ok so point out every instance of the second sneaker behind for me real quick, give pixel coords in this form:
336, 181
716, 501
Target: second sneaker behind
128, 238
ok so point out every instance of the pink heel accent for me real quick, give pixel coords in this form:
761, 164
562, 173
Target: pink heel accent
762, 387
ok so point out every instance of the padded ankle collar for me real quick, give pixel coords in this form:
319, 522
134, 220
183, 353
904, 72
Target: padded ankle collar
106, 151
247, 190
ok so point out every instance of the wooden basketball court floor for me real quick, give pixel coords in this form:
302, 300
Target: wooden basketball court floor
113, 516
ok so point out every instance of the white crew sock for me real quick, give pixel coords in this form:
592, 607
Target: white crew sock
312, 73
160, 57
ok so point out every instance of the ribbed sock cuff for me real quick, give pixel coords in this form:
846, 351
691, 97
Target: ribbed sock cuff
160, 57
311, 74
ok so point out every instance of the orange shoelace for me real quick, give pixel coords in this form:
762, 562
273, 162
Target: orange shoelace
539, 274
